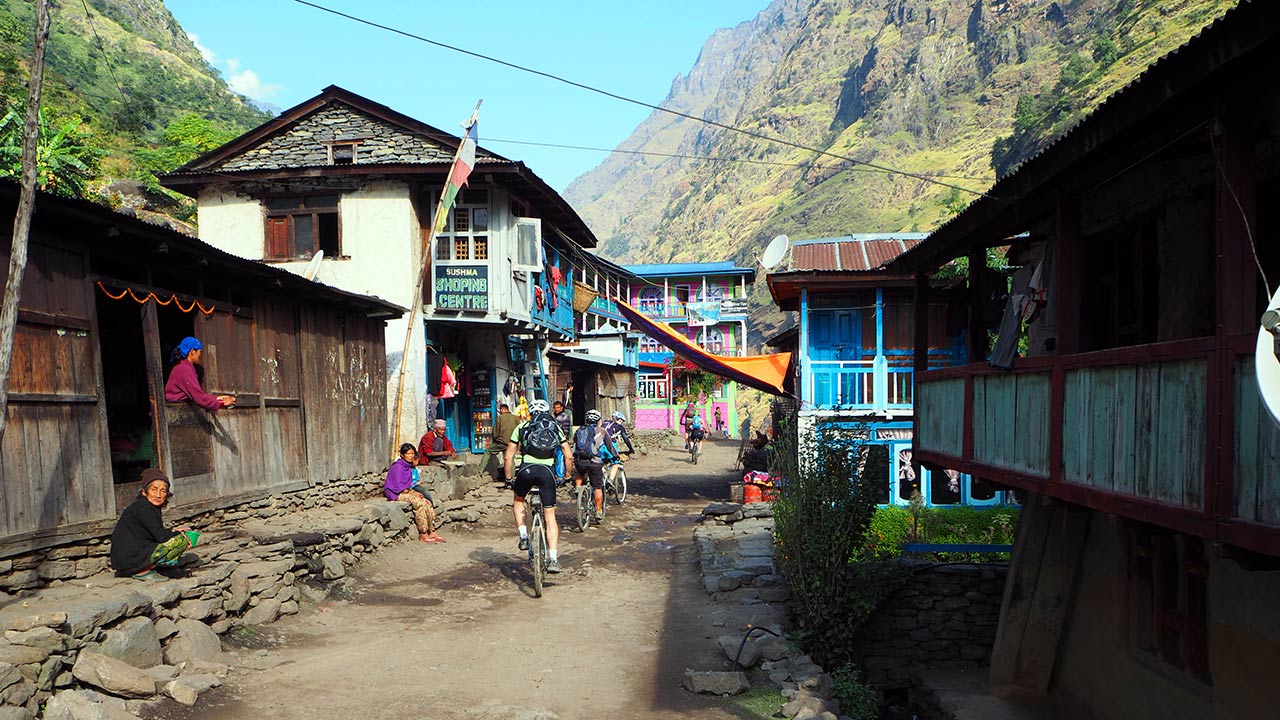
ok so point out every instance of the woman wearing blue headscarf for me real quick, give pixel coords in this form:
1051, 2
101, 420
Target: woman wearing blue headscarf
184, 383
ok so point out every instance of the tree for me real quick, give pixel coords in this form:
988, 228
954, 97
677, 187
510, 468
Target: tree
1105, 52
65, 160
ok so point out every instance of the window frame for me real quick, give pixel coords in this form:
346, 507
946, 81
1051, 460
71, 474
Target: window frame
528, 231
272, 216
468, 202
1168, 600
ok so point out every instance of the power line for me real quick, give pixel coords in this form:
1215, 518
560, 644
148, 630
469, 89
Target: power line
103, 48
633, 101
714, 158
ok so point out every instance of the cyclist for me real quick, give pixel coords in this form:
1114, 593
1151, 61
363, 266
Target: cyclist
537, 440
592, 448
697, 431
617, 428
686, 419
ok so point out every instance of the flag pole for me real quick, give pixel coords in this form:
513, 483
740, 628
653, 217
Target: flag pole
415, 300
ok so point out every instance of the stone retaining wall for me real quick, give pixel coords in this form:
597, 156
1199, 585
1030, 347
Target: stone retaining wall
70, 625
945, 613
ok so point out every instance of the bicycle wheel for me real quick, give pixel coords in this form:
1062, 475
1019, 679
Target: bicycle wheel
584, 506
620, 484
604, 503
538, 556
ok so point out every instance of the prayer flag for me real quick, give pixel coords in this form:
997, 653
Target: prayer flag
462, 165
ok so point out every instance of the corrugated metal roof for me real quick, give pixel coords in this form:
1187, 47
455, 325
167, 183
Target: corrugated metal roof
853, 253
709, 268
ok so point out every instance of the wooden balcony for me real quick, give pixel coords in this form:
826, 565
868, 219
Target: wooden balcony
1159, 433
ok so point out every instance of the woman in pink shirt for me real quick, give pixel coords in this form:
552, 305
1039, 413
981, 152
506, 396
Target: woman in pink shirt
184, 383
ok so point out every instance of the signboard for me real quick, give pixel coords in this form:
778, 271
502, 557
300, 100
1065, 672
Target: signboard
733, 306
462, 287
703, 313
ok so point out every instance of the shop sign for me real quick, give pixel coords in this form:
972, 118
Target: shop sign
462, 287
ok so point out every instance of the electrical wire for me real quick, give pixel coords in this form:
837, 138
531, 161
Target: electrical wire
633, 101
111, 70
1244, 216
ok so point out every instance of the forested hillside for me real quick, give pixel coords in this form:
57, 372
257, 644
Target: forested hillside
126, 95
955, 90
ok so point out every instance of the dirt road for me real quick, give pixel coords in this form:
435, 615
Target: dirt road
452, 631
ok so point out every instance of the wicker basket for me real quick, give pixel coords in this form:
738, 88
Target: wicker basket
583, 296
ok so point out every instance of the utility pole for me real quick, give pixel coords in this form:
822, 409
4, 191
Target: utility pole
26, 206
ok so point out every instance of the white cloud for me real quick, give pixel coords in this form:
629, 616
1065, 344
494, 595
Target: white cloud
205, 52
247, 82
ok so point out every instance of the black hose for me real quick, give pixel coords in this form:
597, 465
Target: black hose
743, 644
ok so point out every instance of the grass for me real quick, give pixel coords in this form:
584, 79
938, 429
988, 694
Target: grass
757, 703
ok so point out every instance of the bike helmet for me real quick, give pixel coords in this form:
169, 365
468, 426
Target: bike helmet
593, 416
617, 415
539, 406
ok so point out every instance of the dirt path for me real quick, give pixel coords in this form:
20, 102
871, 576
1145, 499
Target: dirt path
451, 631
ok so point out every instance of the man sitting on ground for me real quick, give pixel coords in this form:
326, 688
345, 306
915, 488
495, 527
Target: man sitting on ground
435, 446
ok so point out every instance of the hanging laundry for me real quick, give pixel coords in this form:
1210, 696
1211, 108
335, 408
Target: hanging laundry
556, 279
448, 382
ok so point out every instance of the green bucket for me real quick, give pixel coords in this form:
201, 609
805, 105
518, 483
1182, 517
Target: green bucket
193, 536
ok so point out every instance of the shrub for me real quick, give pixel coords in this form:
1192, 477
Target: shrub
894, 525
857, 699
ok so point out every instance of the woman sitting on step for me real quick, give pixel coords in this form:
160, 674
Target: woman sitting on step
402, 484
140, 541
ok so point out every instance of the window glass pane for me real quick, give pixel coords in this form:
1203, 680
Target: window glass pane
480, 219
460, 249
481, 247
444, 248
283, 203
322, 201
980, 489
327, 230
304, 244
944, 487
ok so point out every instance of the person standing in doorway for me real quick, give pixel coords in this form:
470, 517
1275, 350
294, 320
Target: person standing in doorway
184, 381
568, 395
720, 423
502, 430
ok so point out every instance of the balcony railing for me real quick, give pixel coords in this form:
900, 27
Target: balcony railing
874, 385
558, 314
1162, 432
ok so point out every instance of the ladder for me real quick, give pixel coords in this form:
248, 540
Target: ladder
525, 354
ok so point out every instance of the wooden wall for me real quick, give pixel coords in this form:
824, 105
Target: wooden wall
939, 413
1257, 452
999, 440
1138, 430
56, 469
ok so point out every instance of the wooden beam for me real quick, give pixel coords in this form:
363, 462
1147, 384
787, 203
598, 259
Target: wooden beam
920, 362
1064, 302
977, 336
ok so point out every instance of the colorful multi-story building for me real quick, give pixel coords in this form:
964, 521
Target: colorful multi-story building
707, 302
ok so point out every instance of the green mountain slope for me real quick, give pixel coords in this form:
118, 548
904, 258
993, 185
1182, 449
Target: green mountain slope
931, 87
130, 80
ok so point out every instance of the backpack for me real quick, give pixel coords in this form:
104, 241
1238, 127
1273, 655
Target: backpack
584, 443
540, 436
697, 422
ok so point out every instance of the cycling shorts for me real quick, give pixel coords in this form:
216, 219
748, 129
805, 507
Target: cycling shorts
531, 474
594, 472
697, 433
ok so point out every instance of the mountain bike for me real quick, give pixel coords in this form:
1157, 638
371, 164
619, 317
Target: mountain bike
587, 506
615, 479
695, 445
538, 551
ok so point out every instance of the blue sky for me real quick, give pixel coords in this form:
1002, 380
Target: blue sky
281, 52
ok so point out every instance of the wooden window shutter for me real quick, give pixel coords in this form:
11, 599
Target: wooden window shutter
279, 243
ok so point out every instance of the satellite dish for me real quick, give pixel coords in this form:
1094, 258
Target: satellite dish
777, 250
1266, 363
314, 266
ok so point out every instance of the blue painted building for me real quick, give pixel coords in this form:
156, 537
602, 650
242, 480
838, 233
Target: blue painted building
854, 341
707, 302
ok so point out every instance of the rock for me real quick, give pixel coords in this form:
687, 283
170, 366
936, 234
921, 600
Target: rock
16, 713
774, 594
220, 626
720, 509
333, 567
261, 569
22, 654
750, 652
114, 676
774, 649
162, 673
48, 671
239, 592
18, 693
757, 510
94, 610
57, 570
88, 567
341, 525
289, 607
715, 683
187, 688
711, 583
194, 640
77, 705
165, 627
806, 706
40, 637
728, 583
198, 609
267, 611
29, 622
204, 667
9, 674
134, 641
398, 520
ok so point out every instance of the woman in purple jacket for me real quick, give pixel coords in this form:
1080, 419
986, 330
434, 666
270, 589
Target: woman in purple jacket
402, 484
184, 383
